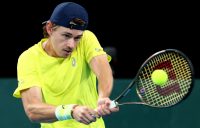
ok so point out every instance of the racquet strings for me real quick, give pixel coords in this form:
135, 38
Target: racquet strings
178, 85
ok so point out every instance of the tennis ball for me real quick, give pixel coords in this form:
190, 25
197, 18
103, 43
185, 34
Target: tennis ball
159, 77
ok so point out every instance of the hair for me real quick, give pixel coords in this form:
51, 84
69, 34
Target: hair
45, 34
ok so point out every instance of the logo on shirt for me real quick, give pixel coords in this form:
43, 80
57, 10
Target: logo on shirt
73, 62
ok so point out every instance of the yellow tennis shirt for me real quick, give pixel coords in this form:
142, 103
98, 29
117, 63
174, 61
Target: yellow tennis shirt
62, 80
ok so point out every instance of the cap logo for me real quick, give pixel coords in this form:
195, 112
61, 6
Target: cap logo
76, 22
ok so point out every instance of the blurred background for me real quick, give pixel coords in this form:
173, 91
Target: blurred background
130, 31
134, 29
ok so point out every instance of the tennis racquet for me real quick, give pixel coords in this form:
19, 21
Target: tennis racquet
180, 79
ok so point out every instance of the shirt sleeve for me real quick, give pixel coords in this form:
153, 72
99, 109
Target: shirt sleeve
26, 73
92, 46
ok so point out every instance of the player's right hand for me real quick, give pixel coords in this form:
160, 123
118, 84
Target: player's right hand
84, 114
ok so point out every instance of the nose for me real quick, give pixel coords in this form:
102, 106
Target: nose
71, 43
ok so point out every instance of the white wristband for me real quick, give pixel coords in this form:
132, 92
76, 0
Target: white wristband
63, 112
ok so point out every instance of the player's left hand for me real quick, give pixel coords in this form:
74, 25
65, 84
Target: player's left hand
103, 107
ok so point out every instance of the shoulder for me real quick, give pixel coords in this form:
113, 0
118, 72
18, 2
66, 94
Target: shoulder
88, 34
88, 37
31, 52
26, 57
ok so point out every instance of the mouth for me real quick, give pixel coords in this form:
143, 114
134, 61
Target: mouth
68, 52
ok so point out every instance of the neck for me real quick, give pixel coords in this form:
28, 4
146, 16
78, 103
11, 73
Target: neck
44, 46
48, 49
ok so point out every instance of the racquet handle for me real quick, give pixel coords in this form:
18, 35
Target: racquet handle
113, 104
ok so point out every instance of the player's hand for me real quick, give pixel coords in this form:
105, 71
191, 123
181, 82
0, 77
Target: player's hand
84, 114
104, 107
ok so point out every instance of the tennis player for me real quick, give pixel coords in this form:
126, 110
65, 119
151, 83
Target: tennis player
58, 76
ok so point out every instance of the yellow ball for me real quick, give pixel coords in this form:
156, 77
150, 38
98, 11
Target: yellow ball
159, 77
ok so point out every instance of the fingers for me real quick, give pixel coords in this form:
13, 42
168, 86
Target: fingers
86, 119
104, 107
85, 115
103, 110
115, 109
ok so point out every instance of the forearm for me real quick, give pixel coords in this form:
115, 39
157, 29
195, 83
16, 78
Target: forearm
41, 112
103, 71
35, 108
105, 84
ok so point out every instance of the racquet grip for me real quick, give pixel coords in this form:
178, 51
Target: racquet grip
113, 104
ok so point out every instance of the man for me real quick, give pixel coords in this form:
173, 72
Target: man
57, 76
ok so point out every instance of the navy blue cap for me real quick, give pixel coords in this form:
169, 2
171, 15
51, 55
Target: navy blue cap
70, 15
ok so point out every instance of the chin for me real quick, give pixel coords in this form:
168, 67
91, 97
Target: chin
65, 56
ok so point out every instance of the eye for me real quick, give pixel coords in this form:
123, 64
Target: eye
77, 38
67, 36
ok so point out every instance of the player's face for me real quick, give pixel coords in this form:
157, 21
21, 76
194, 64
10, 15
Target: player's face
64, 41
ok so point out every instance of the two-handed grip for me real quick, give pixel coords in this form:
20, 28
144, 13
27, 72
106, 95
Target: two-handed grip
113, 104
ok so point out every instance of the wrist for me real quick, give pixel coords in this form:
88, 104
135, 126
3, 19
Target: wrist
72, 111
64, 112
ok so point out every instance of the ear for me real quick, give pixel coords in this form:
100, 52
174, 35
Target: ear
49, 26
